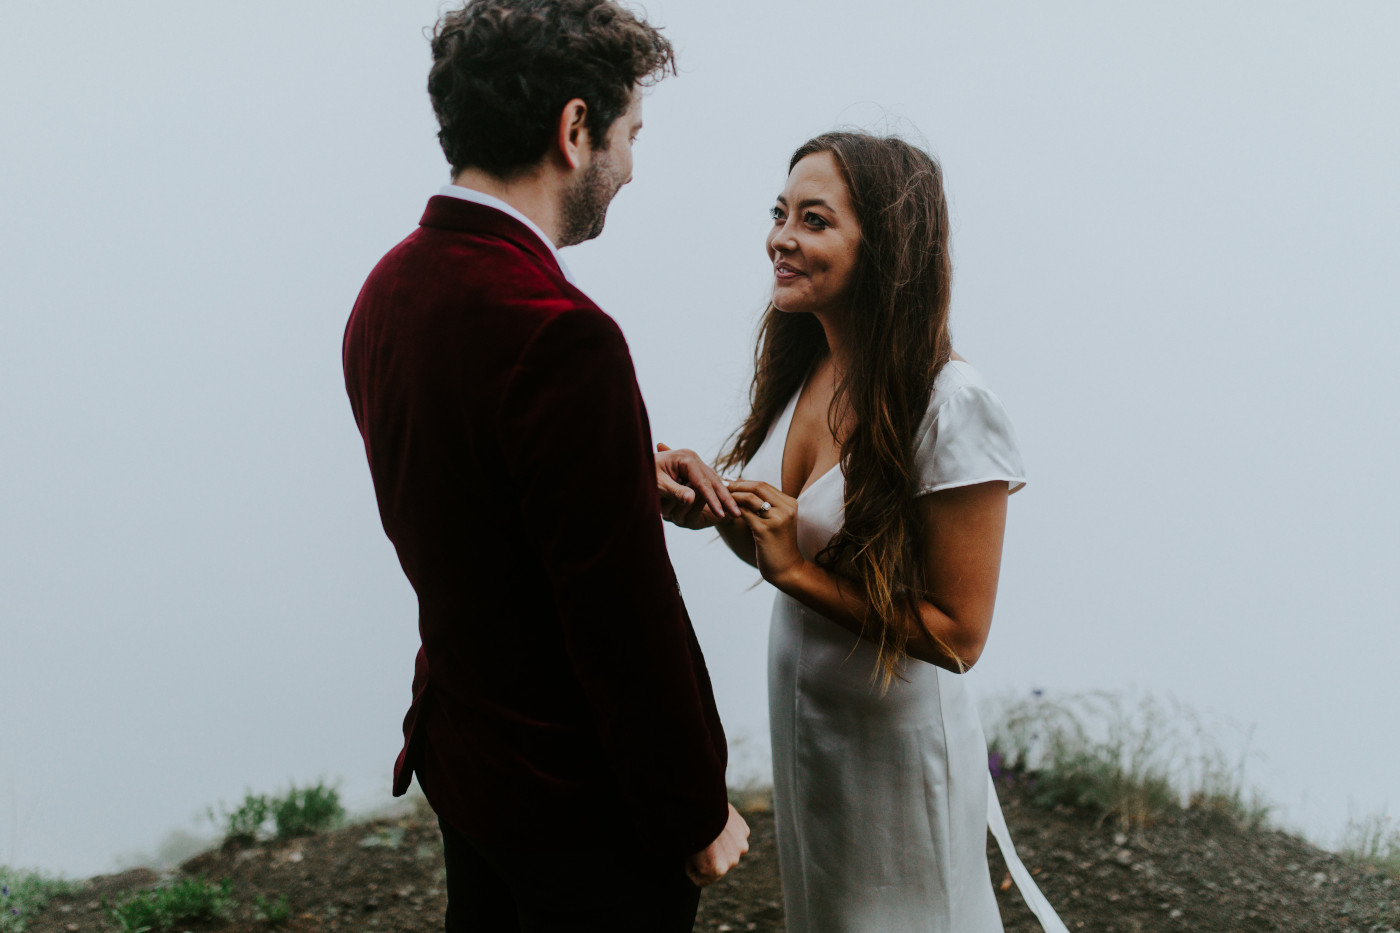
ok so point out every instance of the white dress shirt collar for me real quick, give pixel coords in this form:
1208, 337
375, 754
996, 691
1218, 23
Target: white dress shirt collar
487, 200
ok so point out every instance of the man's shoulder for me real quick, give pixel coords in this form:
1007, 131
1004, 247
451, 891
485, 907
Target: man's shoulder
574, 328
481, 269
453, 222
488, 254
439, 283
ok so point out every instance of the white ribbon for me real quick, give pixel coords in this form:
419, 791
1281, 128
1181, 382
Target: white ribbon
996, 822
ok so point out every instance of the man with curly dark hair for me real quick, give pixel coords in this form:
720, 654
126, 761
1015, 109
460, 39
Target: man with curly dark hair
562, 724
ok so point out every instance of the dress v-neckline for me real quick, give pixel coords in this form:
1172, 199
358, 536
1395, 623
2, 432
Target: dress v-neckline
787, 433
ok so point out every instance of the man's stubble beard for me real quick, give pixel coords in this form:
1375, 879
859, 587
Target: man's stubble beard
585, 205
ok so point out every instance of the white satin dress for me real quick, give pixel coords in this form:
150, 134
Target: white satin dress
881, 801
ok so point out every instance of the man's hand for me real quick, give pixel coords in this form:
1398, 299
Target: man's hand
709, 865
692, 494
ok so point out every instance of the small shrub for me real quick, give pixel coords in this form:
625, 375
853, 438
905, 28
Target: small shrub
1373, 840
1231, 803
24, 894
1135, 761
189, 900
245, 825
299, 812
1092, 780
307, 811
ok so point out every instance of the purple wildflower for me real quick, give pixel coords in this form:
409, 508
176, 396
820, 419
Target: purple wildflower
1037, 693
994, 763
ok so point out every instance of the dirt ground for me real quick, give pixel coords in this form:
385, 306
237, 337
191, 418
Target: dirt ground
1194, 872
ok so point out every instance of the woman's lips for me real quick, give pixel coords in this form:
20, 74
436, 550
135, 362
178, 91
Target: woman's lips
785, 272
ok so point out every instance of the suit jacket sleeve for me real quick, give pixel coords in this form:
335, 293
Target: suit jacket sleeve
577, 444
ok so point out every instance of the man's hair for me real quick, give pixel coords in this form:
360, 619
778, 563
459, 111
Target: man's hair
504, 69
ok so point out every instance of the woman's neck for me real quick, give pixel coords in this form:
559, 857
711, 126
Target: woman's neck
837, 347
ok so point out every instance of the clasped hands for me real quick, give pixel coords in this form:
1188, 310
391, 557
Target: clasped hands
694, 496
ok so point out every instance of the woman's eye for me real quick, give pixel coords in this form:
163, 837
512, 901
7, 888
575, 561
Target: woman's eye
816, 220
777, 214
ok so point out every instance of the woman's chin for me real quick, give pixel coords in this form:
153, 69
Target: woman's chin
795, 307
786, 304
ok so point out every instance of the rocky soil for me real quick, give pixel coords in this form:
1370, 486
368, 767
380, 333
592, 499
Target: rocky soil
1193, 872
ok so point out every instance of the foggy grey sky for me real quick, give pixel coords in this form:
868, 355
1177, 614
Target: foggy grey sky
1175, 238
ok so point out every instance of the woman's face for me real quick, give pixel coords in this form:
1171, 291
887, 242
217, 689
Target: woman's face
815, 239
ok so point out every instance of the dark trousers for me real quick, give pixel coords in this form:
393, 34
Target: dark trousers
495, 890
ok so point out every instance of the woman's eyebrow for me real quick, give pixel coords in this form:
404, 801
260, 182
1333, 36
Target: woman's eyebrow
807, 202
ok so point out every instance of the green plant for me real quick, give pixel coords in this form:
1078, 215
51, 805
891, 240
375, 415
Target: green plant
299, 812
1093, 780
23, 894
1373, 840
244, 825
307, 811
1230, 802
189, 900
1133, 760
271, 911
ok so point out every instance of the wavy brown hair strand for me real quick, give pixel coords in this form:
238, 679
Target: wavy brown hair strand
899, 341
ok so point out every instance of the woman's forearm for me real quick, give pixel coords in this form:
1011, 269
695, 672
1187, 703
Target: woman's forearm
841, 601
736, 534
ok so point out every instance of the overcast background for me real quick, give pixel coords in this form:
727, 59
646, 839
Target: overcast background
1176, 233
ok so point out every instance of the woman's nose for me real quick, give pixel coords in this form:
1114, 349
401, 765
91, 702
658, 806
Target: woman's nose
782, 239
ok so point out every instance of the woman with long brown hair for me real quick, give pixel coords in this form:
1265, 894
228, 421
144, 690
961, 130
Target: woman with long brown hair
876, 466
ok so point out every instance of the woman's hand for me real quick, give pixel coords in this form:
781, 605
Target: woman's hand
772, 517
692, 494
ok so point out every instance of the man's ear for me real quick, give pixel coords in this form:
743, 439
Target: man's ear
573, 133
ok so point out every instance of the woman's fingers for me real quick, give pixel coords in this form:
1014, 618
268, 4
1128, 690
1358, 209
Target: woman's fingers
758, 487
751, 502
764, 493
772, 518
759, 519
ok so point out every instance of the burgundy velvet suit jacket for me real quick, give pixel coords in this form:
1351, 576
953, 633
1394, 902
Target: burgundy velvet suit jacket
560, 687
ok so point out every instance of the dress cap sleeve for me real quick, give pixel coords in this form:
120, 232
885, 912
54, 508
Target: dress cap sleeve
968, 440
